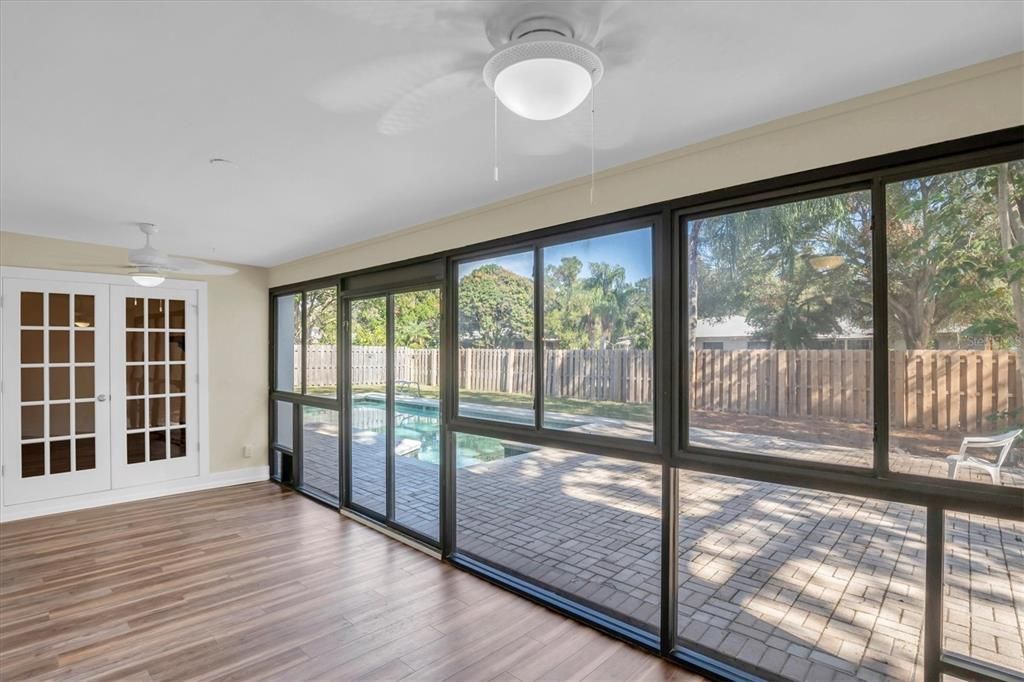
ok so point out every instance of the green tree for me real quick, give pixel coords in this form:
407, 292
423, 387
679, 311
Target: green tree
418, 319
495, 308
322, 316
369, 321
766, 264
598, 310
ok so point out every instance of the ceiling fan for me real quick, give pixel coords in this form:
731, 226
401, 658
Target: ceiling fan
546, 57
150, 265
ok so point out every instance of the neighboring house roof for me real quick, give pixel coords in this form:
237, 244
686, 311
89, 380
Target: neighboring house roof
735, 326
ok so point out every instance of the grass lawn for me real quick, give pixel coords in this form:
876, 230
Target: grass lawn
641, 412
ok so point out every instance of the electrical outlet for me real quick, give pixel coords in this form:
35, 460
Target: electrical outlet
247, 451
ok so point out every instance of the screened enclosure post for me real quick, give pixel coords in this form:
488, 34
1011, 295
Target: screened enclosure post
298, 445
303, 340
680, 333
538, 337
389, 403
272, 386
449, 391
662, 307
445, 459
933, 615
669, 556
880, 328
345, 402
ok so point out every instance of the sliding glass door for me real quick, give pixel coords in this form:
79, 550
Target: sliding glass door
394, 443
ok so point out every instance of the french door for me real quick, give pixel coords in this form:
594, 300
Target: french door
394, 439
100, 388
153, 363
56, 372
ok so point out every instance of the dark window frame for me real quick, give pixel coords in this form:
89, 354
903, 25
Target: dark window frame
297, 400
879, 483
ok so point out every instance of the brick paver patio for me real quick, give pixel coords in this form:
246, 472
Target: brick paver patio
799, 583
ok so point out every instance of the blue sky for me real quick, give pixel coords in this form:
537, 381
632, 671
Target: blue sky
631, 250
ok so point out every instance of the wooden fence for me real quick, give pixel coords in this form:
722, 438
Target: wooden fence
615, 374
321, 365
932, 390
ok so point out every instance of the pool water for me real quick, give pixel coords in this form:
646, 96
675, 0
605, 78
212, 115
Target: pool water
420, 422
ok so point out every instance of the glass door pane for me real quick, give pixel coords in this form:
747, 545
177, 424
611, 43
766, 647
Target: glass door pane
321, 342
368, 377
319, 470
416, 409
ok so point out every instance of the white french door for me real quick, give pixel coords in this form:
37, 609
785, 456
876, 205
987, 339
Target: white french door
56, 372
154, 433
100, 387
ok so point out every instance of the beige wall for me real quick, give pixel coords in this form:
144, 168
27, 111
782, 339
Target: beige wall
981, 98
238, 322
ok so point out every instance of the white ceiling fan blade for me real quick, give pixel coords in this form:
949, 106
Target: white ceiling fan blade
374, 85
191, 266
438, 100
90, 264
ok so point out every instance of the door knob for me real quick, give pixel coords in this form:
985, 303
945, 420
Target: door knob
101, 398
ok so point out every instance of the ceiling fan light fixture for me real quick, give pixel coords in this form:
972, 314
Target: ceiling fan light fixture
543, 75
148, 277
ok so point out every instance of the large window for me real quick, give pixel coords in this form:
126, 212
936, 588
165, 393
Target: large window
495, 337
599, 336
834, 488
956, 320
793, 281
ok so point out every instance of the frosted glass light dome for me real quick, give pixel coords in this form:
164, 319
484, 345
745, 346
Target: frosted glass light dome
148, 277
542, 89
543, 76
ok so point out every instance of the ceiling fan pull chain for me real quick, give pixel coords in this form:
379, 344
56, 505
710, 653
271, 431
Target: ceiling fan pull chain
593, 124
495, 137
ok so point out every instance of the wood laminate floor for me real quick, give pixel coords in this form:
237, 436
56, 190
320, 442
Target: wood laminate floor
255, 582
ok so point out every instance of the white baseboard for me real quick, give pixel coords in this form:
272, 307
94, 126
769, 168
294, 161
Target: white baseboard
219, 479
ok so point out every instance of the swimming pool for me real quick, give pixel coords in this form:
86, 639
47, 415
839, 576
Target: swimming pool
419, 421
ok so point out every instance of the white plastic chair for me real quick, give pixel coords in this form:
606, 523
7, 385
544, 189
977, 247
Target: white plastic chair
961, 459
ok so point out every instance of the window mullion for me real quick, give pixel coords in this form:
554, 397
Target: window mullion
880, 330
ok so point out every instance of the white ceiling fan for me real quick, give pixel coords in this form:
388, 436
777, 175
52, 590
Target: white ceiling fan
150, 265
545, 59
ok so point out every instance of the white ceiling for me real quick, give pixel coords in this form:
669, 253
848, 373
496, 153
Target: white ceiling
110, 111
